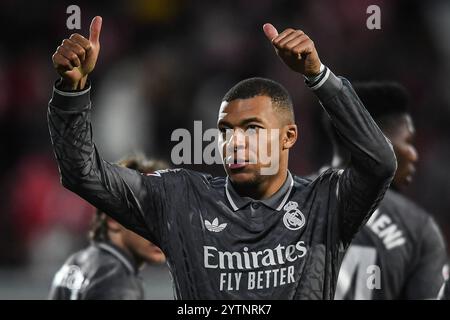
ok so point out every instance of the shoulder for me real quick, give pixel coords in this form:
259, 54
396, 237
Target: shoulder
93, 261
74, 275
324, 175
301, 181
403, 206
180, 174
413, 216
110, 279
83, 257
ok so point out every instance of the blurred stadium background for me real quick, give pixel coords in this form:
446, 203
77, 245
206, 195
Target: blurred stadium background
164, 64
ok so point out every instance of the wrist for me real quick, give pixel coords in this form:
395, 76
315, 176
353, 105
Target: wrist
68, 85
316, 82
316, 75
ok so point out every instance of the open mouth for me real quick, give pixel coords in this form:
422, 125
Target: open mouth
234, 166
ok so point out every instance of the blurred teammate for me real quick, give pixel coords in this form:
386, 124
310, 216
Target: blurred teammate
109, 268
400, 253
444, 293
253, 234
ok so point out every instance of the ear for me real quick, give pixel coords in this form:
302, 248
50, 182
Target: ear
113, 225
290, 136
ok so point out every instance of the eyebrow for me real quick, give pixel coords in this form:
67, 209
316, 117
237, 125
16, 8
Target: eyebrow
241, 123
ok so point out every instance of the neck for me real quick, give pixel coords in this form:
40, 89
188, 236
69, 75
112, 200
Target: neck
116, 239
263, 190
268, 185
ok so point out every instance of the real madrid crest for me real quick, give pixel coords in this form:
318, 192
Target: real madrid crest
293, 219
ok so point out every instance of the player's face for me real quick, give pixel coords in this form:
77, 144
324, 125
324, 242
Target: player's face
141, 248
250, 139
402, 138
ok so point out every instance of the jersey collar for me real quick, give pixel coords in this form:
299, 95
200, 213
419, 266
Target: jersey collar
275, 202
126, 260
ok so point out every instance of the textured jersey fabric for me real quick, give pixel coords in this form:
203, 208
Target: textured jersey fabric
100, 272
399, 254
219, 245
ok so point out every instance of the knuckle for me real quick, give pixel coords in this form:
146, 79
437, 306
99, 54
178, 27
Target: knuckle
81, 42
76, 49
290, 46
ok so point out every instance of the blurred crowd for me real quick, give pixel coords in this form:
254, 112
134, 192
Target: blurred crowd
164, 64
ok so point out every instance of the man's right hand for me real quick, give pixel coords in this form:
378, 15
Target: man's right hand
75, 58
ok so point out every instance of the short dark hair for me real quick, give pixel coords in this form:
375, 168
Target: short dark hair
99, 227
384, 100
257, 86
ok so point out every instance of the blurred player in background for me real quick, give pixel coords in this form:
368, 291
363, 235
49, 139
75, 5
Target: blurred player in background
109, 268
400, 239
444, 293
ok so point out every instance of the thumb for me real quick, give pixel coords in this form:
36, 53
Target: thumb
94, 30
270, 31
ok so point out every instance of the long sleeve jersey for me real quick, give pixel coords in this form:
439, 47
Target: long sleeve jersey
220, 245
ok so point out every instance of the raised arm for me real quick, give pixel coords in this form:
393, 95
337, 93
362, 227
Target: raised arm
363, 183
122, 193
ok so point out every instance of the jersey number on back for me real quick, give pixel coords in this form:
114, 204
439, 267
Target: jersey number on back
359, 274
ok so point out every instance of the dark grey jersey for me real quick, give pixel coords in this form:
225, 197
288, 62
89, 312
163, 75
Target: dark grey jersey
444, 293
100, 272
223, 246
399, 254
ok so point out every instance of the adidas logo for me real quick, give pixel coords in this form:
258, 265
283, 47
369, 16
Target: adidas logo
215, 226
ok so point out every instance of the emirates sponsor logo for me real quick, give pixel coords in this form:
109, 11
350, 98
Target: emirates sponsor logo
247, 260
255, 270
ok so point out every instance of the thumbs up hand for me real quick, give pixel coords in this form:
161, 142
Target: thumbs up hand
75, 58
295, 49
